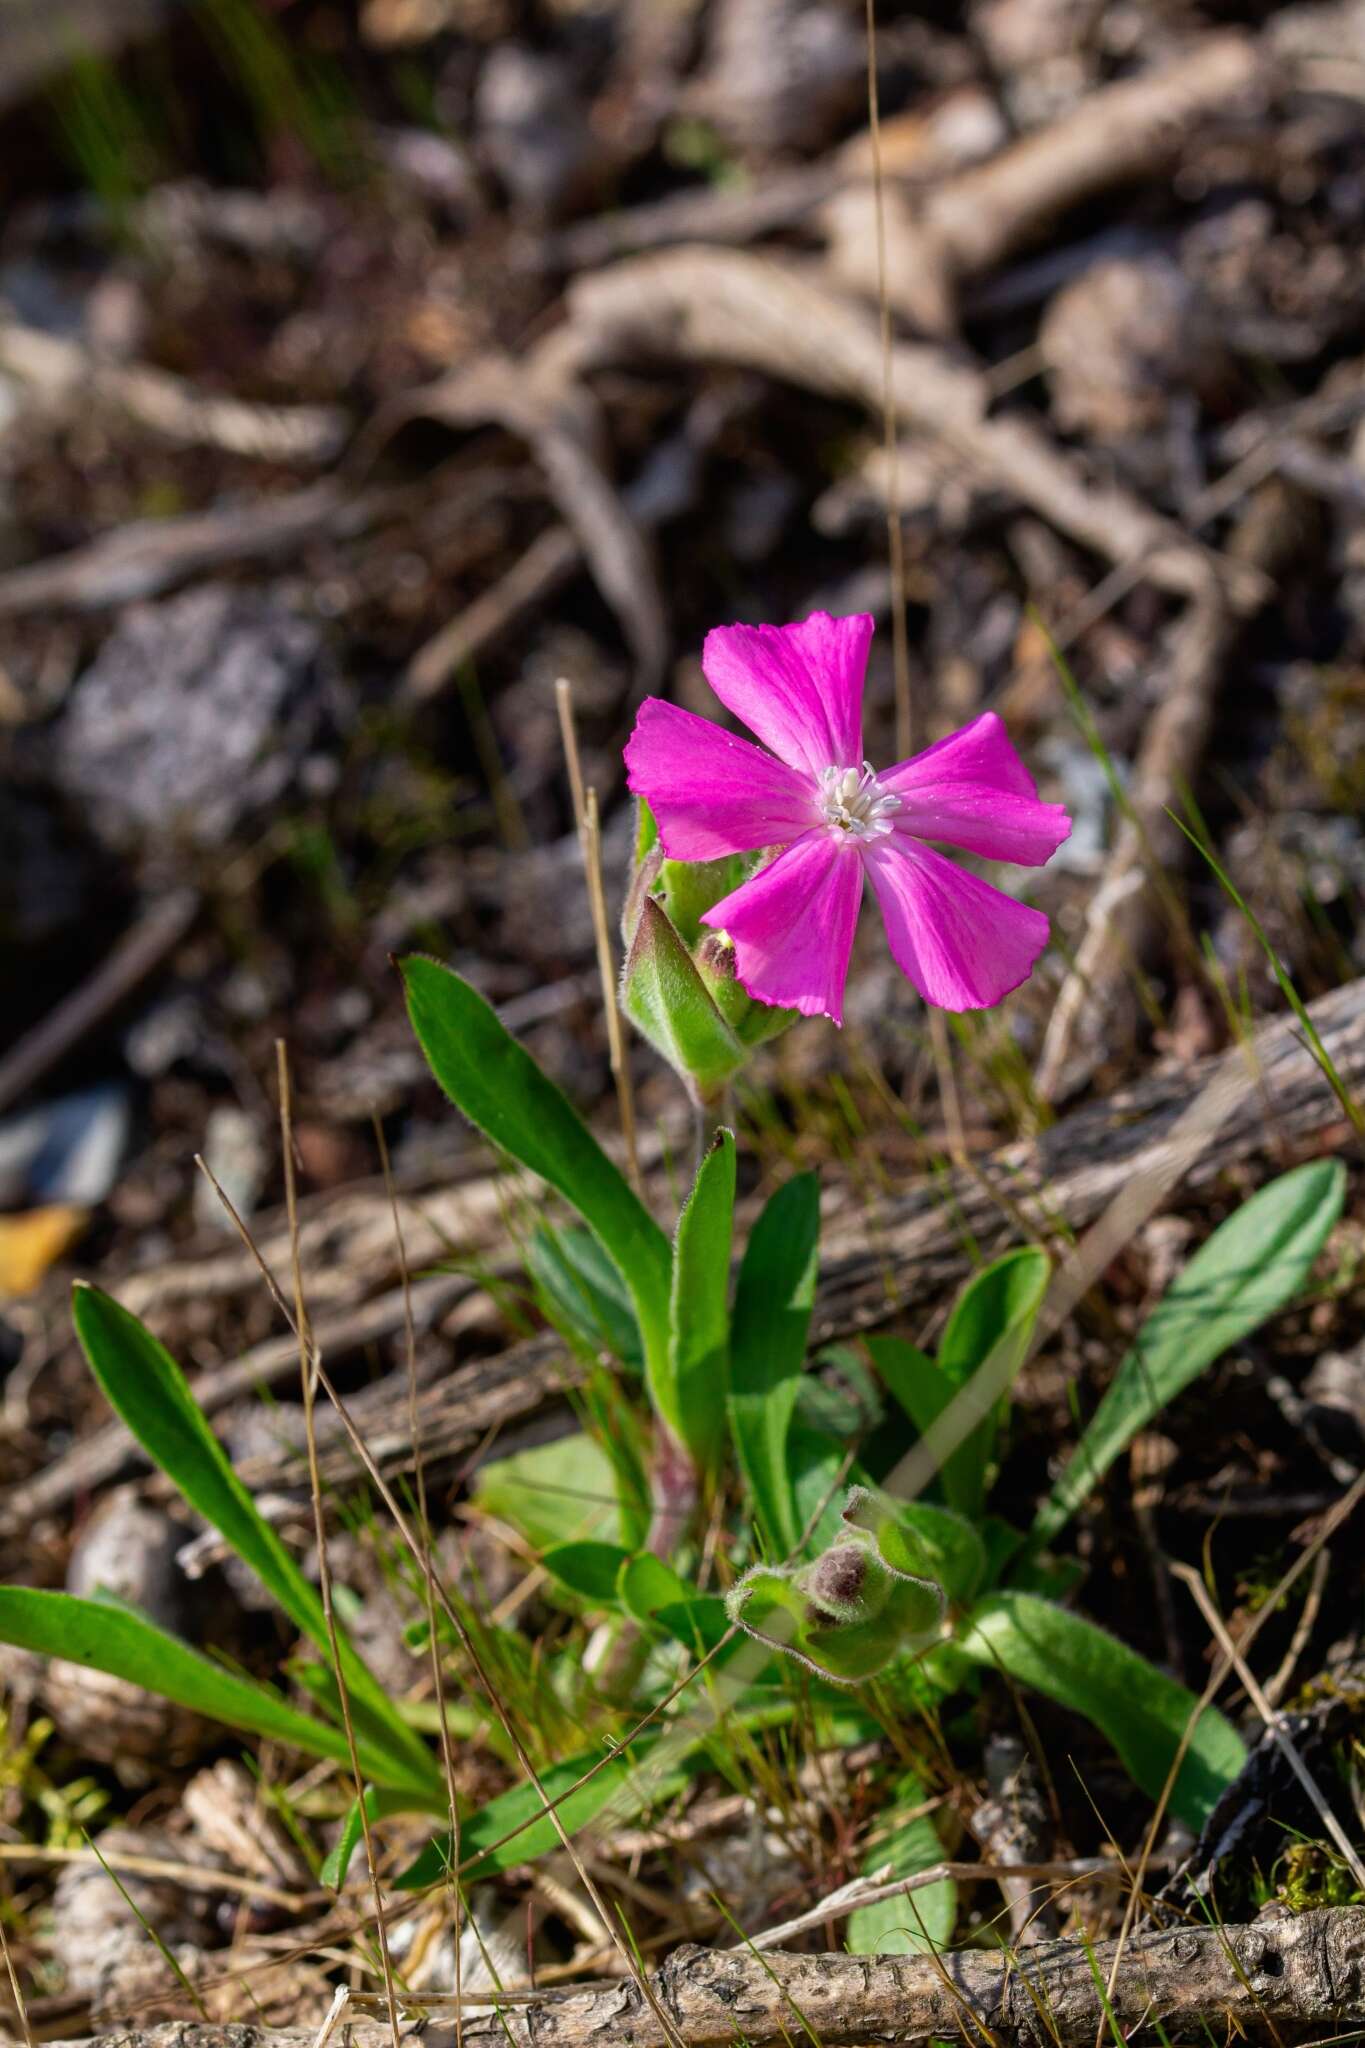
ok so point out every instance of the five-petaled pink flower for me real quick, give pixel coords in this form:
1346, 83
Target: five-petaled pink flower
961, 943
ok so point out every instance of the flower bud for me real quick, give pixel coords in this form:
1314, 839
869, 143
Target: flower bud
666, 999
751, 1022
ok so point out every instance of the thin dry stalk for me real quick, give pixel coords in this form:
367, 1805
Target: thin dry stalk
1217, 1628
1343, 1510
310, 1367
895, 539
400, 1521
1304, 1627
905, 726
341, 1998
590, 839
864, 1891
428, 1567
18, 1996
190, 1877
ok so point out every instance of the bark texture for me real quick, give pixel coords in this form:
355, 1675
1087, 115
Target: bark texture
1279, 1979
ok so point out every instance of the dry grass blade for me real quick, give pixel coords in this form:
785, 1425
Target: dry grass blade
1217, 1628
16, 1993
866, 1891
470, 1649
1303, 1629
192, 1876
310, 1367
1333, 1521
590, 839
428, 1566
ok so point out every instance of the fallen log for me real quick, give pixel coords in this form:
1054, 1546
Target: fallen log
1281, 1979
919, 1247
872, 1270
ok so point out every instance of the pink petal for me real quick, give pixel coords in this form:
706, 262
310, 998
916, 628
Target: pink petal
972, 790
961, 943
792, 925
799, 688
710, 791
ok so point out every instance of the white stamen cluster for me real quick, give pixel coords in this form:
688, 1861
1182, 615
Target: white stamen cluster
854, 802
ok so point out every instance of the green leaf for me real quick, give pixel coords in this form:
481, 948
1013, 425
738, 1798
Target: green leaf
105, 1636
520, 1813
498, 1086
920, 1539
1251, 1266
693, 1403
997, 1307
1142, 1713
560, 1492
581, 1283
700, 1622
842, 1399
645, 1584
667, 1001
917, 1923
147, 1389
819, 1474
588, 1569
768, 1329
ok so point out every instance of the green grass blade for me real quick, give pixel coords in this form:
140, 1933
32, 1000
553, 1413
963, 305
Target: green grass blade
768, 1331
106, 1637
1142, 1713
1251, 1266
693, 1402
495, 1083
149, 1392
1349, 1105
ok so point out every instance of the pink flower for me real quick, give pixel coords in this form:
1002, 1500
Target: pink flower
961, 943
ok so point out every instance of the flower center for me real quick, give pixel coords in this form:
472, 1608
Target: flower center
853, 801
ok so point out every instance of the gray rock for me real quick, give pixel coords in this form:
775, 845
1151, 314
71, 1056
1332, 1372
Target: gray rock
196, 714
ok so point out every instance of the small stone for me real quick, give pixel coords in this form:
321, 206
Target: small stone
236, 1157
195, 715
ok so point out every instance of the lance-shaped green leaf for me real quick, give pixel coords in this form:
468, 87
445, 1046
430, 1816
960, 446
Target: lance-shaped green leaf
150, 1393
1143, 1713
773, 1299
666, 999
1250, 1267
498, 1086
583, 1292
104, 1636
692, 1400
850, 1611
587, 1568
919, 1922
991, 1319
